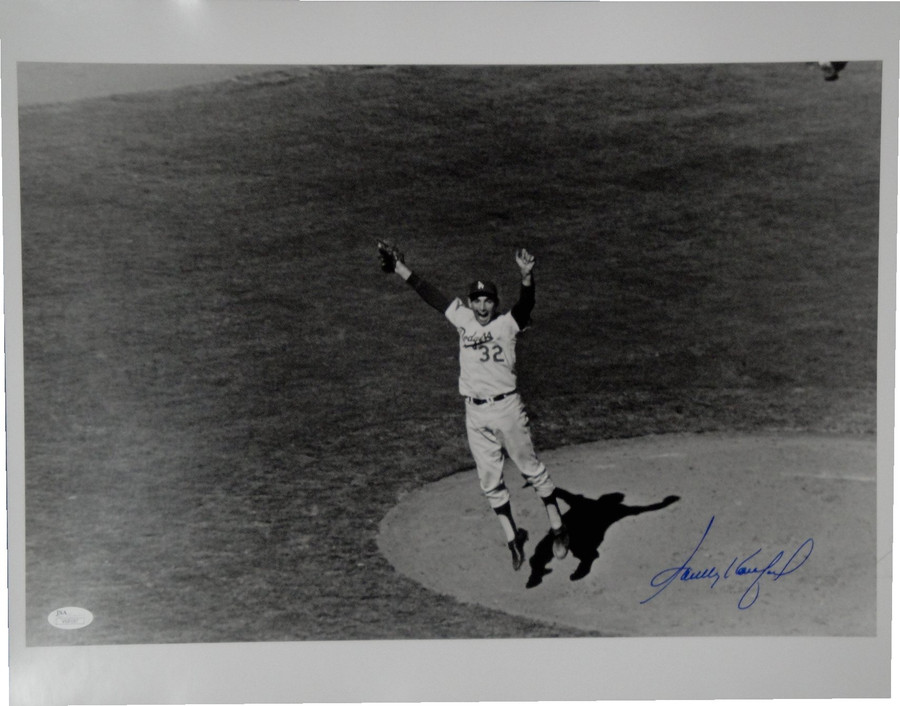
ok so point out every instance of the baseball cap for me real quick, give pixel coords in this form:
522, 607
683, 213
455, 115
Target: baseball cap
483, 288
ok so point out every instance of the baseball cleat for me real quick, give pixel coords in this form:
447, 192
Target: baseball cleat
560, 542
517, 548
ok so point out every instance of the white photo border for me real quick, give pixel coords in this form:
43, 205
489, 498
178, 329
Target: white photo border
290, 32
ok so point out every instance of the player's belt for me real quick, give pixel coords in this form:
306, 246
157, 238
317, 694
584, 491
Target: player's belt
475, 400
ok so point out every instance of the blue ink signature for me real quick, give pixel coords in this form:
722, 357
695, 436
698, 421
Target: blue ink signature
749, 566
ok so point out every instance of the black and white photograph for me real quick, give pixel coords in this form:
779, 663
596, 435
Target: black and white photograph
428, 354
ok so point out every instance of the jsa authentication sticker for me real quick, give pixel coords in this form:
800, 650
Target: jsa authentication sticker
70, 618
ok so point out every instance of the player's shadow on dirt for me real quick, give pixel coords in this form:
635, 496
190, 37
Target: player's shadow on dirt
587, 521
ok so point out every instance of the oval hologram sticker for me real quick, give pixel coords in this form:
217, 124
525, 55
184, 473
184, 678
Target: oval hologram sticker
70, 618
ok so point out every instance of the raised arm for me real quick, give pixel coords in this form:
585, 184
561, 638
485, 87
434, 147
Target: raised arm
392, 261
522, 309
431, 294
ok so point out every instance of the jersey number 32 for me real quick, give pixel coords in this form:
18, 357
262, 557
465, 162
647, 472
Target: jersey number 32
488, 353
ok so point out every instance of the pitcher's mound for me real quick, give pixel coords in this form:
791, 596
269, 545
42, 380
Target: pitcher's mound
769, 535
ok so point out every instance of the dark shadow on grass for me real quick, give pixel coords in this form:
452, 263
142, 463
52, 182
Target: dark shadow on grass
587, 521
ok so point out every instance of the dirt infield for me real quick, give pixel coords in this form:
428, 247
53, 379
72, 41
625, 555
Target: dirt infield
770, 535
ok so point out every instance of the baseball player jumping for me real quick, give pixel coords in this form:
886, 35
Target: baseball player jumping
495, 414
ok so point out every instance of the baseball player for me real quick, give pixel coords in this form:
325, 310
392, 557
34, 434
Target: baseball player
832, 69
495, 416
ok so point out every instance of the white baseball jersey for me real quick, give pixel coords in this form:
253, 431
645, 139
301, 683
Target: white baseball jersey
487, 354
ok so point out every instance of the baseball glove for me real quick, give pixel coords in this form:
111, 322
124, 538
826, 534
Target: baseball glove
389, 254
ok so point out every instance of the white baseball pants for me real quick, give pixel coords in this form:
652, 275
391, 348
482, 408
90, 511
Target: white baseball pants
494, 426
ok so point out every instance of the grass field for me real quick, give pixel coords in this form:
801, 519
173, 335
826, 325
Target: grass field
224, 394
